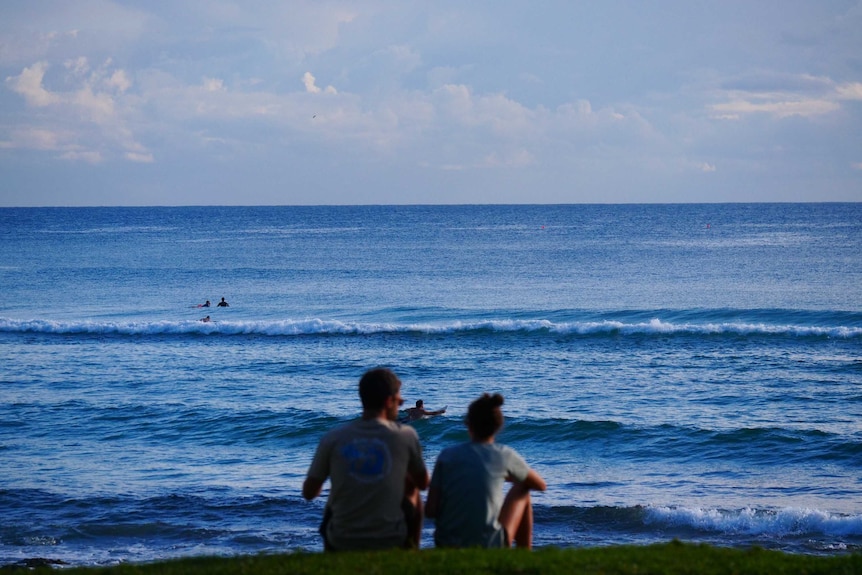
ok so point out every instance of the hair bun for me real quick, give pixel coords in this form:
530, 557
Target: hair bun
497, 400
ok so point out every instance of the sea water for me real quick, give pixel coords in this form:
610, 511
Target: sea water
672, 371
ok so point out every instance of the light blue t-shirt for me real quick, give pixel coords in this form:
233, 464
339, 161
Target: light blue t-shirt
469, 480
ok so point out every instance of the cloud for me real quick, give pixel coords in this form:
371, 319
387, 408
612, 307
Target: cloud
143, 158
804, 96
83, 122
310, 86
450, 126
119, 81
90, 157
495, 112
213, 85
778, 108
515, 159
849, 91
29, 85
78, 66
458, 90
46, 140
36, 139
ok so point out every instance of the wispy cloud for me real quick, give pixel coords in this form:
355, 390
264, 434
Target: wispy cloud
814, 97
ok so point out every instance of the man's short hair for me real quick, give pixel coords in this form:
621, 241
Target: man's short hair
376, 386
484, 416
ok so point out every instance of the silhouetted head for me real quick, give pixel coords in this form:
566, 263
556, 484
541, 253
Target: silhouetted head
376, 386
484, 416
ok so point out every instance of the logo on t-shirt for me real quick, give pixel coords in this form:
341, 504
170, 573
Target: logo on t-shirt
368, 460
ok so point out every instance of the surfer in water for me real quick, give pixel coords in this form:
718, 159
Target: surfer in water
418, 412
222, 303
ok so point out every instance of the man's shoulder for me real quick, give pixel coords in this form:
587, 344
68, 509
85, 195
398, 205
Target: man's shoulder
372, 426
340, 430
403, 429
400, 433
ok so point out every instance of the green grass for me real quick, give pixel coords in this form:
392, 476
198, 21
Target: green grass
669, 558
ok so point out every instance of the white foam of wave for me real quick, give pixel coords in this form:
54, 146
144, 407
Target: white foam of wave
782, 522
316, 326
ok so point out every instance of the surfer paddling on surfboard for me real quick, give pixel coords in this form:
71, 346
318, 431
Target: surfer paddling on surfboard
419, 412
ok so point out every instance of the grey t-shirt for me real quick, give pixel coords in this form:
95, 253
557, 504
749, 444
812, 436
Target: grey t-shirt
367, 462
469, 480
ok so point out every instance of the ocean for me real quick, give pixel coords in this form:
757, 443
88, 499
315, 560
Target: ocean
672, 371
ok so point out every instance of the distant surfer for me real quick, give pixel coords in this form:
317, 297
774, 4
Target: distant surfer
222, 303
419, 412
205, 304
205, 319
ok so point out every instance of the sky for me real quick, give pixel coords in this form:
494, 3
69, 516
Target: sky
294, 102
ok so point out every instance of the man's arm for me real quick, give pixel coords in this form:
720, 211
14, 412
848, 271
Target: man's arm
311, 488
318, 471
420, 479
416, 470
432, 504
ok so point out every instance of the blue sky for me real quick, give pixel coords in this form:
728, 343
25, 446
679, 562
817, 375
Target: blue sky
211, 102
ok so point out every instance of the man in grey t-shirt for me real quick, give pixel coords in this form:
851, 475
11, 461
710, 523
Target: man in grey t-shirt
376, 470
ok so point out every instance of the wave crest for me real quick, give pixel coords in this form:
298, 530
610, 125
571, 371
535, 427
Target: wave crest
317, 326
748, 521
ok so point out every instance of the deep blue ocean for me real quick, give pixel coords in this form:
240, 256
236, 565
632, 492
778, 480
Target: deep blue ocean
673, 371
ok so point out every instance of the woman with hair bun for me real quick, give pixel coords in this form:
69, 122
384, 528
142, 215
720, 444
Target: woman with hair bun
466, 494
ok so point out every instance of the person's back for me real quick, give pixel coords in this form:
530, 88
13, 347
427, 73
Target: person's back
466, 494
367, 461
472, 476
375, 466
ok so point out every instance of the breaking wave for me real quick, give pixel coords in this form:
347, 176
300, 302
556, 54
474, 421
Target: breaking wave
315, 326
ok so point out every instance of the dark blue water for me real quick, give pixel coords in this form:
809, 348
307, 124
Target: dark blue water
672, 371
